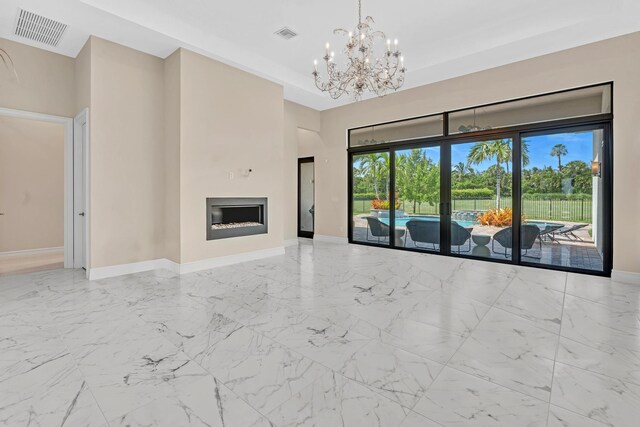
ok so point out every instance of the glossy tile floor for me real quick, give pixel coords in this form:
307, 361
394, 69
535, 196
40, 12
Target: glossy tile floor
328, 335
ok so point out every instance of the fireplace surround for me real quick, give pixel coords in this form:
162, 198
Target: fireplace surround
236, 216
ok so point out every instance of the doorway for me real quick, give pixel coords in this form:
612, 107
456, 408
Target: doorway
68, 246
306, 197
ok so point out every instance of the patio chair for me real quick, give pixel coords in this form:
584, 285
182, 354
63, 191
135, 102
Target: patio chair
568, 232
529, 234
377, 229
427, 232
459, 236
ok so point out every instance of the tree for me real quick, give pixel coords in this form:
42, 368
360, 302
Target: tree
558, 151
417, 178
500, 150
374, 168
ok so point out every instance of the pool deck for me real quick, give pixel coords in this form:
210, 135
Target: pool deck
559, 252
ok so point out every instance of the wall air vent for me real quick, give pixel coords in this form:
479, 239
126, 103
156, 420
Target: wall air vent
286, 33
39, 29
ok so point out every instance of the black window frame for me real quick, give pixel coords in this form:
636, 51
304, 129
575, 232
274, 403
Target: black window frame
598, 121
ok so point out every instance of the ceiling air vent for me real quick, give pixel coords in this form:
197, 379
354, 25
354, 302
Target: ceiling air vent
39, 29
286, 33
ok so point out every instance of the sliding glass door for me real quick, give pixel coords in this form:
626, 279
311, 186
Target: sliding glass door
523, 182
481, 198
417, 194
563, 198
370, 198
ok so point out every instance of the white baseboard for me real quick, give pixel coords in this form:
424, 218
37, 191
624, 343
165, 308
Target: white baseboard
134, 267
625, 277
330, 239
190, 267
32, 251
290, 242
206, 264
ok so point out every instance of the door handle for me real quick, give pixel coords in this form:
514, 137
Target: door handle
1, 213
81, 214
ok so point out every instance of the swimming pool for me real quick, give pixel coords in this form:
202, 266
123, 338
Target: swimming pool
402, 221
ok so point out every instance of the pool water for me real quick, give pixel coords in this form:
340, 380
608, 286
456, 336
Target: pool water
401, 222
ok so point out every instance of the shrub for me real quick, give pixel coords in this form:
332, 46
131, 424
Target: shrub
383, 204
497, 217
364, 196
472, 193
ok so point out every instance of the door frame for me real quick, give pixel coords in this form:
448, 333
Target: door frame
307, 234
83, 117
68, 171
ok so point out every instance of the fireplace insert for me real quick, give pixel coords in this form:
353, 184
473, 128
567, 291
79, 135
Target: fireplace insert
236, 216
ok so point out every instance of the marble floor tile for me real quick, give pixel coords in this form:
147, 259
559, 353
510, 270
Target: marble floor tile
616, 362
537, 302
423, 340
260, 371
448, 311
598, 324
459, 399
413, 419
622, 296
601, 398
321, 341
207, 403
324, 335
392, 372
51, 393
559, 417
333, 400
509, 351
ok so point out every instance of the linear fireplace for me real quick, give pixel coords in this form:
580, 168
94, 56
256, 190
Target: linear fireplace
236, 216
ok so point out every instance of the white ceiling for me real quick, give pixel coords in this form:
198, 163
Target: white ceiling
439, 39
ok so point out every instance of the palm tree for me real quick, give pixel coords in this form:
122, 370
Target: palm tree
500, 150
375, 166
460, 169
558, 151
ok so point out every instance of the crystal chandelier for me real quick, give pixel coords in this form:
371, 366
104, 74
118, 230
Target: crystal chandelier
362, 72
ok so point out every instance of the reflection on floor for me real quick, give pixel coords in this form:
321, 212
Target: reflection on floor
561, 251
326, 335
17, 264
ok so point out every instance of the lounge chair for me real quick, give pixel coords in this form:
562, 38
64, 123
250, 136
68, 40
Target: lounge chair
428, 232
377, 229
568, 232
529, 234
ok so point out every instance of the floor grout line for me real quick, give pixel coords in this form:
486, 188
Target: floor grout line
553, 372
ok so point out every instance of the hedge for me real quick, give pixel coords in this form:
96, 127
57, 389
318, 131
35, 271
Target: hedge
486, 193
472, 193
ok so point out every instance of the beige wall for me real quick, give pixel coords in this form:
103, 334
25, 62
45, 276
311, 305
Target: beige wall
46, 81
230, 121
31, 184
172, 114
615, 60
127, 155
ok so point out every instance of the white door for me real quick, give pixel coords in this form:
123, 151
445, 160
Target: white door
80, 214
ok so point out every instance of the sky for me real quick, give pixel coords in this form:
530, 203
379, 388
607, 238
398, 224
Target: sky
579, 147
